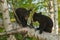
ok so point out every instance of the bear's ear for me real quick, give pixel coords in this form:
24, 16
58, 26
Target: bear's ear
35, 14
30, 9
40, 13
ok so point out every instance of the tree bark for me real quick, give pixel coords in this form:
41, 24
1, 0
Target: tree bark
6, 18
55, 16
51, 12
53, 9
33, 33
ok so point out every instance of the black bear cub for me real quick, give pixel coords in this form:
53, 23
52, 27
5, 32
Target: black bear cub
22, 15
45, 23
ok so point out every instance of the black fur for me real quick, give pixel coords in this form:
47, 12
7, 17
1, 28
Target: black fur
46, 23
22, 15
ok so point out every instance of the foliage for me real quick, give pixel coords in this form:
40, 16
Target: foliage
3, 37
0, 15
2, 30
36, 24
12, 17
18, 36
59, 17
31, 38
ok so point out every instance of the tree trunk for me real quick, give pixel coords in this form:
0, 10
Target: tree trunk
55, 16
53, 9
51, 12
6, 18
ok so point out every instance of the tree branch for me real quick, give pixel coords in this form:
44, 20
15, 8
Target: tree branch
32, 33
